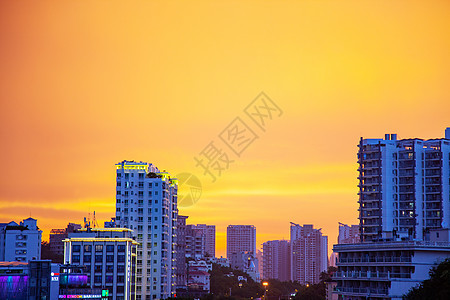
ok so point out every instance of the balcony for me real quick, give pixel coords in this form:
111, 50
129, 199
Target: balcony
362, 291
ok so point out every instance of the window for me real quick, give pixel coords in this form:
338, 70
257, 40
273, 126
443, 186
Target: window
120, 278
141, 176
120, 268
121, 258
75, 258
121, 248
87, 258
109, 258
109, 248
21, 244
149, 185
98, 268
21, 237
109, 278
127, 175
98, 248
76, 248
99, 258
87, 248
97, 279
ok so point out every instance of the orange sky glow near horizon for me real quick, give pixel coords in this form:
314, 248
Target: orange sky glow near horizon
87, 84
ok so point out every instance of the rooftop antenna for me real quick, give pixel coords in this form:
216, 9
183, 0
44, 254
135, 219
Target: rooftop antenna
94, 222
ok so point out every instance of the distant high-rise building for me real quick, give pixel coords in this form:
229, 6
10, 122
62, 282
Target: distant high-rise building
146, 202
277, 260
210, 238
200, 241
241, 238
181, 279
58, 235
108, 256
20, 242
195, 242
309, 253
348, 234
403, 187
259, 257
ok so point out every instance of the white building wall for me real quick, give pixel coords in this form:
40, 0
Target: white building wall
21, 245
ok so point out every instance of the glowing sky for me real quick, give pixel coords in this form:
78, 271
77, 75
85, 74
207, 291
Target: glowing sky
86, 84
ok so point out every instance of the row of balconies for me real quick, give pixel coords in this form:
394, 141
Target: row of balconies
362, 291
367, 275
375, 259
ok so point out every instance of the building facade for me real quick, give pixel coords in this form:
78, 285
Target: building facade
146, 202
109, 257
58, 235
195, 242
277, 260
20, 242
309, 253
31, 280
348, 234
181, 272
403, 187
241, 238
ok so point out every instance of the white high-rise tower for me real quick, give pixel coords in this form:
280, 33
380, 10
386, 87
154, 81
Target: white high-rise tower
404, 188
146, 202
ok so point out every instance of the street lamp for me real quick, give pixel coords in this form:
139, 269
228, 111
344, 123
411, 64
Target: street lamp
265, 284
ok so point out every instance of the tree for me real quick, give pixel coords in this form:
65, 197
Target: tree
222, 281
435, 288
316, 291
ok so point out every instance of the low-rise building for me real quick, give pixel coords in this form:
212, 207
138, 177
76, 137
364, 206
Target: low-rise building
20, 242
109, 256
28, 280
385, 270
246, 262
198, 278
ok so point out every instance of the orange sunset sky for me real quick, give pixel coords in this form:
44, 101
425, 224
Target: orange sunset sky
86, 84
